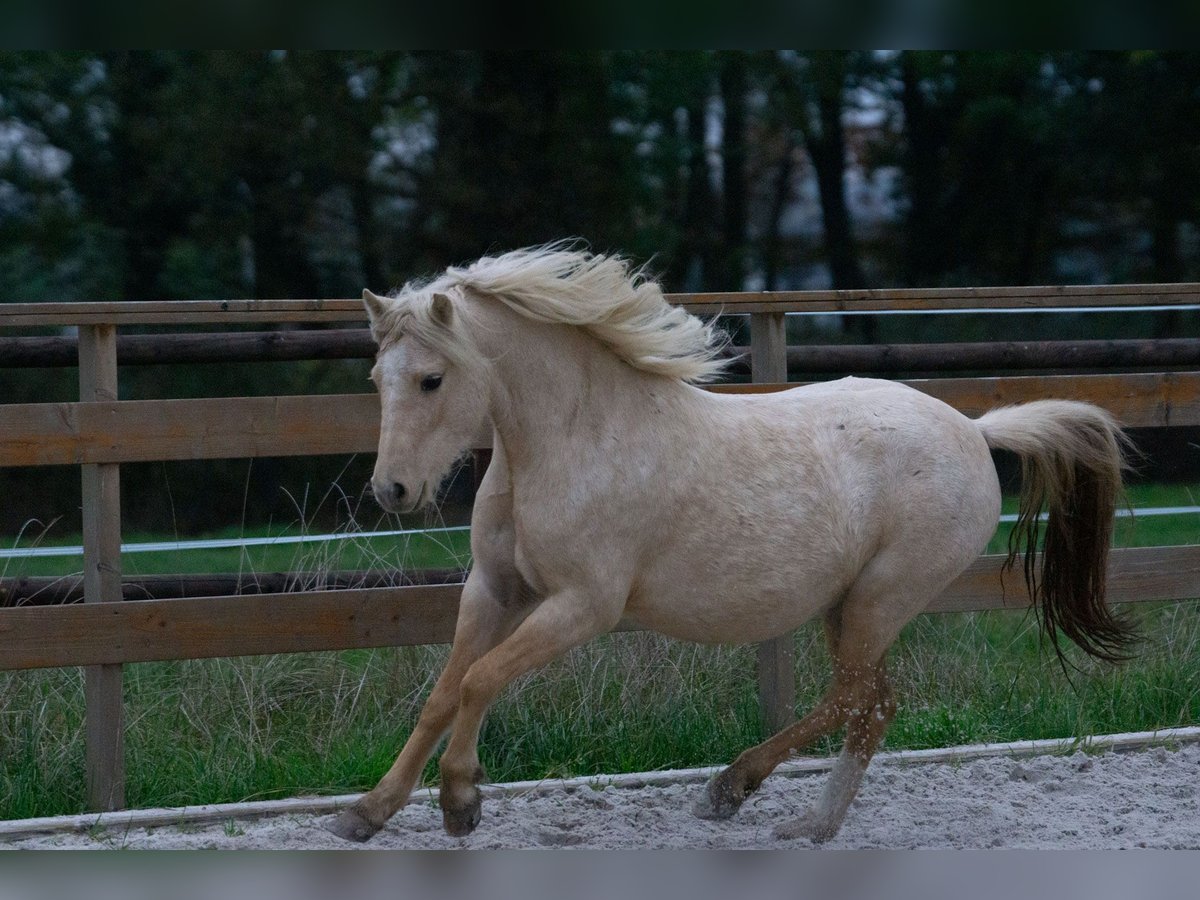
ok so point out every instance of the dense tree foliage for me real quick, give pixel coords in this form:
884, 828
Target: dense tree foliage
189, 175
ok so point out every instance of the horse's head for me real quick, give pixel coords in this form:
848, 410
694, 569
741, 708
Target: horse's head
434, 402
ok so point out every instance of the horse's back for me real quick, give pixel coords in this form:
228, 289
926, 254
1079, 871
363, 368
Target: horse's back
910, 460
803, 488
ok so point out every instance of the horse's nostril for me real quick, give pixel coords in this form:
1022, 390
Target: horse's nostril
398, 490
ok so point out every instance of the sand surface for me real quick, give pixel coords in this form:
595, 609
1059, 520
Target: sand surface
1108, 800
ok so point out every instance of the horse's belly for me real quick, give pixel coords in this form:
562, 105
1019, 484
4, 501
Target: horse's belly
729, 610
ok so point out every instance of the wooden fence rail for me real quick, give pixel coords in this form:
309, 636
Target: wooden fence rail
100, 432
356, 343
240, 625
54, 590
122, 431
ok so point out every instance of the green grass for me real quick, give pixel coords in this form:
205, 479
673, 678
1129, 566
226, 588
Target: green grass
224, 730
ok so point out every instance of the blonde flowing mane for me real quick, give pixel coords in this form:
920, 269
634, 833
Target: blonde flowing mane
616, 304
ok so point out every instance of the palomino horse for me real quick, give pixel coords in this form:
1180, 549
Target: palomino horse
614, 477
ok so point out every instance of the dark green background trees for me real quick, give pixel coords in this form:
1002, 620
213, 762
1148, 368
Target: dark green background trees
171, 175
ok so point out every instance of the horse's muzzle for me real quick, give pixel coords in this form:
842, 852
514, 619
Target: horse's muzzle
395, 497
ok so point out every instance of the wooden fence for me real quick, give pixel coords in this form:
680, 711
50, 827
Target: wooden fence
100, 432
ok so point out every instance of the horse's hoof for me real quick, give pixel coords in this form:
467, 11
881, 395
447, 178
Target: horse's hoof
724, 795
705, 808
352, 826
461, 820
807, 827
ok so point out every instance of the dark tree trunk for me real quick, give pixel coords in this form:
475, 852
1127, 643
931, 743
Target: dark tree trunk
363, 198
733, 172
696, 244
827, 149
1165, 217
1164, 228
920, 170
772, 244
131, 201
282, 268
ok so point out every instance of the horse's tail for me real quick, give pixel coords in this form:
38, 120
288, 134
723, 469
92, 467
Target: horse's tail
1072, 457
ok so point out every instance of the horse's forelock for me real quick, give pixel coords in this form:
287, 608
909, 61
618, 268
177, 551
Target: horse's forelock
413, 315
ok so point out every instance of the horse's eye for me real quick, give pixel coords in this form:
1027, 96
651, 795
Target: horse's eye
431, 382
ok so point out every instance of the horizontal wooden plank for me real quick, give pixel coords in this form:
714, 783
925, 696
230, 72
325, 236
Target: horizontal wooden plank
52, 590
1138, 400
350, 310
43, 434
356, 343
926, 299
1136, 574
993, 356
46, 434
180, 312
220, 347
198, 628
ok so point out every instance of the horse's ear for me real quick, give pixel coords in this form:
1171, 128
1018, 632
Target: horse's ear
442, 310
376, 308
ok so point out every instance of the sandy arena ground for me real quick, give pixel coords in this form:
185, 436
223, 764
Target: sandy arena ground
1106, 800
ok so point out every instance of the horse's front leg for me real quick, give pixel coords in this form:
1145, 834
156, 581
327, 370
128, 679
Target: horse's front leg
564, 620
489, 611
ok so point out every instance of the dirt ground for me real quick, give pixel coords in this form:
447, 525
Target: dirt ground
1095, 801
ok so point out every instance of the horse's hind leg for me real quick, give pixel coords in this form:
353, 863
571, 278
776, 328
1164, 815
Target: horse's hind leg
857, 671
864, 734
866, 730
875, 609
485, 619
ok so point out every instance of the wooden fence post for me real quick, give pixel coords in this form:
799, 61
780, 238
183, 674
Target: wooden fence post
776, 658
480, 460
104, 744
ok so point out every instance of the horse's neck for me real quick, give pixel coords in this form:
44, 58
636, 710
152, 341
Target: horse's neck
555, 386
